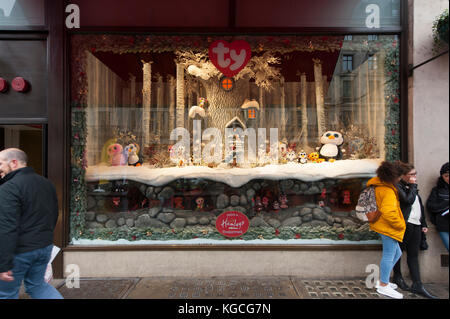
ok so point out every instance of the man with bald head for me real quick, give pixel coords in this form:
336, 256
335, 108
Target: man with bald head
28, 215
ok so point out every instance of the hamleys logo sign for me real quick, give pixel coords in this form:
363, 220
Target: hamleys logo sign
232, 224
230, 58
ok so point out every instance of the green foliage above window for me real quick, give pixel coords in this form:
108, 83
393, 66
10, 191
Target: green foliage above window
440, 31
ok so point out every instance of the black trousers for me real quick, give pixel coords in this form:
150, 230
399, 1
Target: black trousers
411, 244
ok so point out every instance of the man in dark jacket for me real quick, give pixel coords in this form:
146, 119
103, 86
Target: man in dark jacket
28, 215
437, 204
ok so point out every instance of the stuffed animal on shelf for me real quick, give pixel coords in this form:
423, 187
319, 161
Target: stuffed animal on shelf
202, 102
291, 156
346, 197
181, 156
331, 146
282, 152
258, 204
115, 155
131, 152
265, 202
313, 157
302, 157
283, 201
178, 203
276, 206
200, 201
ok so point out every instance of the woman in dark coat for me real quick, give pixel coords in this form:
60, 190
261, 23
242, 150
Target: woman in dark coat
414, 214
437, 204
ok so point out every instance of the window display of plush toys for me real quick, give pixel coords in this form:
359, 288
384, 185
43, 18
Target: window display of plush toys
119, 156
330, 150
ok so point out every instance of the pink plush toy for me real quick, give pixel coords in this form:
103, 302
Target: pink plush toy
115, 155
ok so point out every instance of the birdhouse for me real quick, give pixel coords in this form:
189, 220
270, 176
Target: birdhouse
251, 112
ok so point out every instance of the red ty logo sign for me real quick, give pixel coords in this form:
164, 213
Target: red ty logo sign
230, 58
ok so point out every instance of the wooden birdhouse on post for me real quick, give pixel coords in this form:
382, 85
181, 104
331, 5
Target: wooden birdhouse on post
251, 113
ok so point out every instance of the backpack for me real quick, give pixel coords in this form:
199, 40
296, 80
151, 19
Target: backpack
366, 209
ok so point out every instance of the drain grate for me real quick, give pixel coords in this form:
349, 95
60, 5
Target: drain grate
339, 289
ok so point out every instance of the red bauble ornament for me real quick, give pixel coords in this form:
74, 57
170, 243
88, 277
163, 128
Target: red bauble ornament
3, 85
19, 84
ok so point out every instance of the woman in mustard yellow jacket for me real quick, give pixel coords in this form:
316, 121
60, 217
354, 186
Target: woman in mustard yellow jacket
391, 225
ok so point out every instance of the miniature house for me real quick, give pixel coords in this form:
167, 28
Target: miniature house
250, 110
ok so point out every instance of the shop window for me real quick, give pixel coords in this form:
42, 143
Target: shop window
372, 37
347, 88
29, 138
347, 62
348, 38
372, 62
162, 147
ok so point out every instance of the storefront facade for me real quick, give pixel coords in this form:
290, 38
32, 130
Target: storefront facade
232, 137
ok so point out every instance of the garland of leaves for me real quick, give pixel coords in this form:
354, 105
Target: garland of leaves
440, 32
392, 121
78, 199
352, 233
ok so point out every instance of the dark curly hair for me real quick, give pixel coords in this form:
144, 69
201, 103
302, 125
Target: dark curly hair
389, 172
404, 168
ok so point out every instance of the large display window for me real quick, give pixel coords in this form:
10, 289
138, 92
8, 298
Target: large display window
218, 139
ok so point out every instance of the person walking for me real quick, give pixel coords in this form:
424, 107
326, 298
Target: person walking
28, 215
437, 204
390, 225
414, 215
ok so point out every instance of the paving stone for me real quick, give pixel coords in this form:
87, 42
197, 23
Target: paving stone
227, 288
98, 289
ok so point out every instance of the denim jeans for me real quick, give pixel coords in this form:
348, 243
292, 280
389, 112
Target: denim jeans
444, 237
30, 267
391, 254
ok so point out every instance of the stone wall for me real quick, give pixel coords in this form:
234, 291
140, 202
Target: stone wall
113, 206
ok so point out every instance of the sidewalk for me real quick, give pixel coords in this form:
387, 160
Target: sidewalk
229, 288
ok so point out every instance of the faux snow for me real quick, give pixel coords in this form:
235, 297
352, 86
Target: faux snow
213, 242
236, 177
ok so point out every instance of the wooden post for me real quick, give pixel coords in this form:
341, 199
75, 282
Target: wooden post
159, 107
180, 96
294, 91
304, 105
319, 97
282, 123
172, 84
146, 102
261, 107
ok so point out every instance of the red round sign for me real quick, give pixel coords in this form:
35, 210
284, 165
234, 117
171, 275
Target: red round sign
232, 224
19, 84
230, 58
3, 85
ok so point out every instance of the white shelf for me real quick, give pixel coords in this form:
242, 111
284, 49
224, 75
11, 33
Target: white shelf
236, 177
